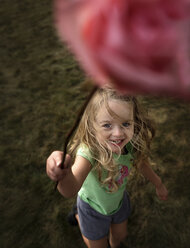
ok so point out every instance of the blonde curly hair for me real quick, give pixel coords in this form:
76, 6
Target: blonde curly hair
86, 134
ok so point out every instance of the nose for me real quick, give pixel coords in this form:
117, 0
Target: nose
118, 131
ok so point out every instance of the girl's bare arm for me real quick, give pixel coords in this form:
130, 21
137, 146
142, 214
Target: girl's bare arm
148, 173
73, 180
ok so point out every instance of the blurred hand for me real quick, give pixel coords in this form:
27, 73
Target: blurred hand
140, 46
162, 192
53, 166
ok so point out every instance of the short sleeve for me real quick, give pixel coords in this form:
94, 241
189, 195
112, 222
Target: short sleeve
83, 151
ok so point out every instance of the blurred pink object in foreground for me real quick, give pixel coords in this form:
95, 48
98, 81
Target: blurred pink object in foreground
140, 46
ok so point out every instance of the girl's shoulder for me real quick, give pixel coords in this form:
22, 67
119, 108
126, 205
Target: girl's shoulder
84, 151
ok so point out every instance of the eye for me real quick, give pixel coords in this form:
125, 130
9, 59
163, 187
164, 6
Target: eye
126, 124
106, 125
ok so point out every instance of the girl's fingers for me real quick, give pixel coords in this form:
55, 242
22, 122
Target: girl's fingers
58, 163
57, 156
57, 174
53, 165
53, 177
67, 161
54, 160
163, 197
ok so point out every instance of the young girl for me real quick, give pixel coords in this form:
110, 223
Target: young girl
113, 135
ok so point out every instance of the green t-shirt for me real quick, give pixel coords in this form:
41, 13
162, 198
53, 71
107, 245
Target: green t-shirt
99, 196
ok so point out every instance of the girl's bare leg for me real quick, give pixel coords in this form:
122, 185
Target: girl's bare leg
118, 232
101, 243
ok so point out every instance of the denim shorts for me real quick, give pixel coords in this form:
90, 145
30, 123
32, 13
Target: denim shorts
94, 225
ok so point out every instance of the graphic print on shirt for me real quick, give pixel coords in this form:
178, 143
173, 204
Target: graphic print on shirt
123, 173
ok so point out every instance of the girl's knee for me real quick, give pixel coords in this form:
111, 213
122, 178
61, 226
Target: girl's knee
115, 241
119, 237
101, 243
123, 236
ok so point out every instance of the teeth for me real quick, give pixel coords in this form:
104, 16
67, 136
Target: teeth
115, 141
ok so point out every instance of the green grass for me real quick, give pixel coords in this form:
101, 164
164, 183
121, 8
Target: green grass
40, 93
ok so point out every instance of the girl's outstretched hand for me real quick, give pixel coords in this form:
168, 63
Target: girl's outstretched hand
162, 192
53, 166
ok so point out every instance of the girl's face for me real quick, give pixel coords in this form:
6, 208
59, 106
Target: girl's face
113, 131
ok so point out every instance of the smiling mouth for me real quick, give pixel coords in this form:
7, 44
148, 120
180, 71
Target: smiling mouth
116, 142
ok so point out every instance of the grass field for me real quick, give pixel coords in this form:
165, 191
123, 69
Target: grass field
41, 91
